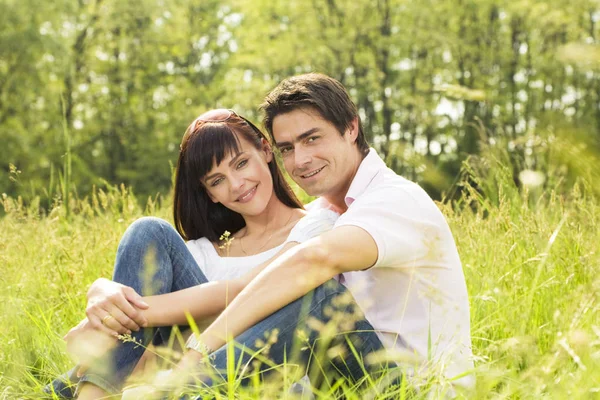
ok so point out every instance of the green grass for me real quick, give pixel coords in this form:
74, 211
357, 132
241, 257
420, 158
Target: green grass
531, 262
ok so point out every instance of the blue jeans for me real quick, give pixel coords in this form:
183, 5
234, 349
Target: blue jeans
173, 268
301, 335
152, 259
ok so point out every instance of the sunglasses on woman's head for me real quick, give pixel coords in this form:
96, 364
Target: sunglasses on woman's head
221, 115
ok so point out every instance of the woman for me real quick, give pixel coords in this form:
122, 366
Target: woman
227, 181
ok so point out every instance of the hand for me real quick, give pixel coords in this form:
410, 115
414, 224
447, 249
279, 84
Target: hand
149, 391
182, 374
167, 381
190, 361
85, 344
115, 308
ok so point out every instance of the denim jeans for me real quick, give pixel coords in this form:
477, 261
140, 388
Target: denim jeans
152, 258
303, 335
301, 332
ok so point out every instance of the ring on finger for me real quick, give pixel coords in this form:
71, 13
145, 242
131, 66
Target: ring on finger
106, 318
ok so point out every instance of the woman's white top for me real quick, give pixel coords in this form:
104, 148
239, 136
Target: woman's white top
217, 268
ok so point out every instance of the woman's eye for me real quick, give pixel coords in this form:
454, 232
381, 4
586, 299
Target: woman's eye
216, 182
242, 163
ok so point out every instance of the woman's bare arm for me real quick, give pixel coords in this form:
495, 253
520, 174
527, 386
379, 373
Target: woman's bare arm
202, 301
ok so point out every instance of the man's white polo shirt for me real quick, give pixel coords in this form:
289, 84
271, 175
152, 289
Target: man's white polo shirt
415, 295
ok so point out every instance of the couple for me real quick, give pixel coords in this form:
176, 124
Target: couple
372, 239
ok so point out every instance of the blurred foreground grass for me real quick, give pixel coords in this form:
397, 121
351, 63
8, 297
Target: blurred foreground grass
531, 262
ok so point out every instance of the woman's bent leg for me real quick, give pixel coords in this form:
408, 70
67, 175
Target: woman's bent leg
152, 259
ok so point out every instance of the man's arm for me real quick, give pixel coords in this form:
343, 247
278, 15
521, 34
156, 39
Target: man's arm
289, 277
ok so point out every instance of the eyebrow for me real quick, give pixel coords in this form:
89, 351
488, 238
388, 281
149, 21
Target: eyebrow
300, 137
233, 160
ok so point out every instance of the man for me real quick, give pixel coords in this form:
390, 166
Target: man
391, 246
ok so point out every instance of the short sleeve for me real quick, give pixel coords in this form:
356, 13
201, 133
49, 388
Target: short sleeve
314, 223
198, 249
403, 222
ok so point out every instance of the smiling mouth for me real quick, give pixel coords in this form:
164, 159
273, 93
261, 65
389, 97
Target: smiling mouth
248, 195
311, 174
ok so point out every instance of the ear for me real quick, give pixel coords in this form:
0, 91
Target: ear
352, 131
266, 148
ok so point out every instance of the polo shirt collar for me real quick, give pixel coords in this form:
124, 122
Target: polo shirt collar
367, 170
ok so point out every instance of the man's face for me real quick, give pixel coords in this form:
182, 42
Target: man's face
316, 156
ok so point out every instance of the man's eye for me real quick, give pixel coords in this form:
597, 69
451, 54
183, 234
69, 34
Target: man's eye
285, 150
312, 139
242, 163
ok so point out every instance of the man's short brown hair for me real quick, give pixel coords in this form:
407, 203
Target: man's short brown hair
319, 92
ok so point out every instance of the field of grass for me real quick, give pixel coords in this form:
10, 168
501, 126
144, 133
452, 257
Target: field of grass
531, 262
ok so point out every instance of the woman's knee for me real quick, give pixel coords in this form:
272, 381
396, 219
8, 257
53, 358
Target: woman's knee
148, 225
140, 236
147, 229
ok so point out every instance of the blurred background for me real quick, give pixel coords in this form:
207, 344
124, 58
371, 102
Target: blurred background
96, 93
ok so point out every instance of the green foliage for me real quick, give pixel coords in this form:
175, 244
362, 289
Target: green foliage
125, 78
530, 260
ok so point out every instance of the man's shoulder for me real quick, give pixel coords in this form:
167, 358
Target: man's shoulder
391, 199
388, 186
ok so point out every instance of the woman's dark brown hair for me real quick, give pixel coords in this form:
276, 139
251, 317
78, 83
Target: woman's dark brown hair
203, 145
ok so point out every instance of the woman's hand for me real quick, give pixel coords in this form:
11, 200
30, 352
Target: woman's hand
183, 373
85, 344
190, 361
168, 381
114, 308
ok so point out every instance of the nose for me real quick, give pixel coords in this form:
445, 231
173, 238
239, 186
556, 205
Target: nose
237, 182
301, 158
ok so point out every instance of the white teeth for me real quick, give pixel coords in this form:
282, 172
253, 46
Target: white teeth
312, 173
248, 194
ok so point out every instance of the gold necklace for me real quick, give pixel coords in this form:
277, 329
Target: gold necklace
265, 243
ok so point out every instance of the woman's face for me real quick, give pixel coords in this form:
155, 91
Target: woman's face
242, 182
